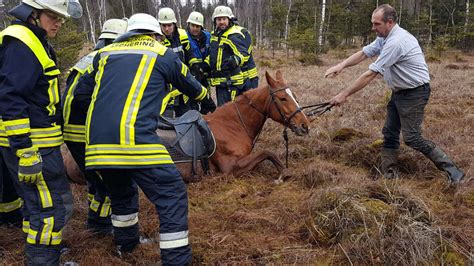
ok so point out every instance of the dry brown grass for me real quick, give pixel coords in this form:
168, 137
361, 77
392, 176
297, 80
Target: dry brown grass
335, 208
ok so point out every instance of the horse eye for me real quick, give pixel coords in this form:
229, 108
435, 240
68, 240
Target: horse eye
282, 99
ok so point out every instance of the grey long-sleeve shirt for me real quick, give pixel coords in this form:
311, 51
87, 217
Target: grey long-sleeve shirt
400, 59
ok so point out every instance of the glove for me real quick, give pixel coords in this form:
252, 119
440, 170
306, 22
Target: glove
207, 105
195, 69
230, 63
198, 73
30, 165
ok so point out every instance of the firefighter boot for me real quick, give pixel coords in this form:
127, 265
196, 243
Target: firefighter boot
42, 255
389, 163
442, 162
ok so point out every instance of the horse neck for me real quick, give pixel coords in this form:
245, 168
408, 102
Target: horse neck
252, 107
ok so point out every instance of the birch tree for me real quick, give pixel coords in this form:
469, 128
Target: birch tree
287, 21
321, 26
91, 23
466, 20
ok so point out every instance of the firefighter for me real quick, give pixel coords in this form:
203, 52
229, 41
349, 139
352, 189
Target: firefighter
131, 75
31, 113
176, 39
98, 219
200, 41
249, 69
228, 53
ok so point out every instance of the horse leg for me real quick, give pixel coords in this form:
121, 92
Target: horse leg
250, 161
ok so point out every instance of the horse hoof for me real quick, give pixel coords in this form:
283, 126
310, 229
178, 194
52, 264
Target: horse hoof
284, 175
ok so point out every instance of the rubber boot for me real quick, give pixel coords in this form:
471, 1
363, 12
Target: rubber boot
42, 255
389, 163
442, 162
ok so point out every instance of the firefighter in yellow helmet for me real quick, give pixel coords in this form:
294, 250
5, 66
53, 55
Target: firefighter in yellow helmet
98, 219
31, 114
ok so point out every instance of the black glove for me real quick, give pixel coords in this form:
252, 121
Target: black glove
205, 68
198, 73
207, 105
195, 69
230, 63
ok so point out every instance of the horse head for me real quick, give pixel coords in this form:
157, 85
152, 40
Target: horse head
284, 107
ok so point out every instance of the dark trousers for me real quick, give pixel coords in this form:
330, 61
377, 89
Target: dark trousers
98, 218
405, 113
228, 94
10, 202
48, 205
165, 188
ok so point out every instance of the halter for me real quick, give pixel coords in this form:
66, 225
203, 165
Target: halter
287, 120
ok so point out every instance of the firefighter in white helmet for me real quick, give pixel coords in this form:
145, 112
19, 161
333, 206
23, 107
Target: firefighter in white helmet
31, 120
228, 54
176, 39
131, 75
200, 40
98, 219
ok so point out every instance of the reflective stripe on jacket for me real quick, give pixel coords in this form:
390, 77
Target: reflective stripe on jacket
74, 119
29, 98
130, 93
223, 45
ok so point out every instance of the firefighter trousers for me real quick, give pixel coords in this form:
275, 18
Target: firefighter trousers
48, 204
164, 187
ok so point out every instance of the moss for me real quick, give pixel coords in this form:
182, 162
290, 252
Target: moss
377, 207
345, 134
452, 258
376, 144
468, 199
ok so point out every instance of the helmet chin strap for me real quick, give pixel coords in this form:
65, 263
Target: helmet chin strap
35, 17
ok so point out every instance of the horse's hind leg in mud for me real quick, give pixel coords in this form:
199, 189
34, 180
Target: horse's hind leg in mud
250, 161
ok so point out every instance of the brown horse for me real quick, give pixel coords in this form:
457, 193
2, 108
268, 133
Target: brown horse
236, 126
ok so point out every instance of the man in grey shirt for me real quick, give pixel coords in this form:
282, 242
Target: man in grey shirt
402, 64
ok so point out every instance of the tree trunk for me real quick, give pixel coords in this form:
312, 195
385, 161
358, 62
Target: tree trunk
430, 36
91, 23
287, 21
466, 21
321, 26
177, 4
123, 8
400, 13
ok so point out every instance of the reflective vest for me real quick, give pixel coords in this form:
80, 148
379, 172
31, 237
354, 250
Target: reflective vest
130, 93
231, 42
41, 125
74, 129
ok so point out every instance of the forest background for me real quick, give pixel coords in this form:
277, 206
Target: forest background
305, 28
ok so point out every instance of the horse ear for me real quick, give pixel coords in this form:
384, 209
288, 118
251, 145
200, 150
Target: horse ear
271, 82
279, 76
